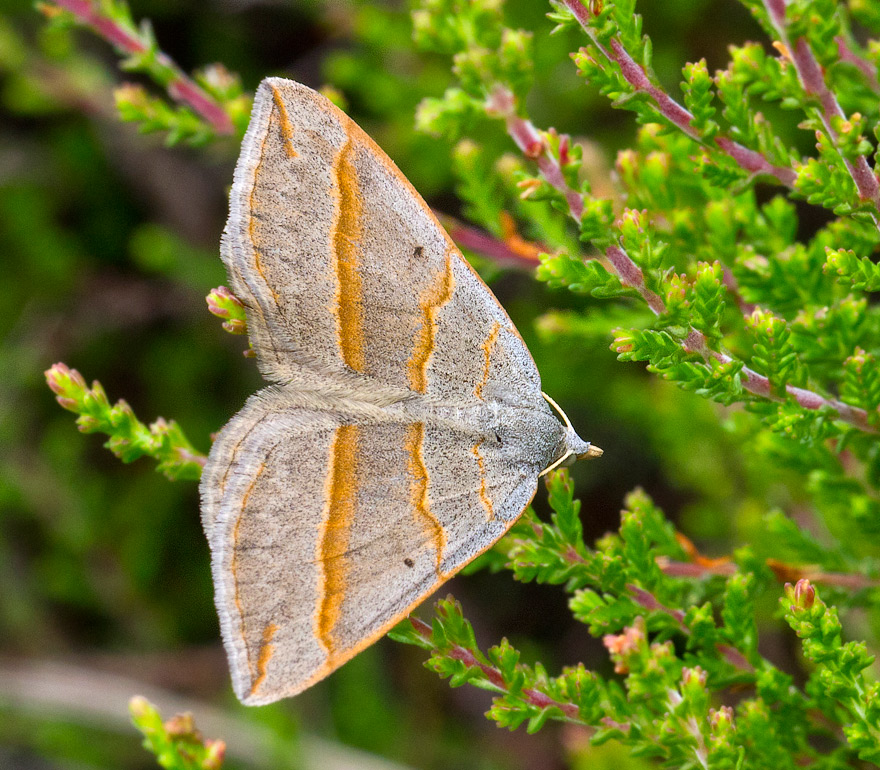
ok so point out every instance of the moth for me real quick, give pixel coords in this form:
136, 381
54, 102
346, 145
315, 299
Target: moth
404, 428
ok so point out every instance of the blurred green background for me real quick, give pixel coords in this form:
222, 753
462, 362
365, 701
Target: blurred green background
109, 245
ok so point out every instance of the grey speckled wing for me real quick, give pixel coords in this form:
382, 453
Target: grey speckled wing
406, 428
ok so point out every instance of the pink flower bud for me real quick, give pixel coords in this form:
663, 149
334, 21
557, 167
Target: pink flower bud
694, 676
215, 755
220, 300
64, 381
182, 726
722, 718
804, 594
235, 326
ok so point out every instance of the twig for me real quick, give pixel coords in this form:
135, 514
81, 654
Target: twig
510, 252
749, 160
88, 693
530, 695
689, 569
812, 79
631, 274
848, 55
784, 573
650, 602
788, 573
531, 143
178, 84
747, 308
129, 439
759, 385
529, 140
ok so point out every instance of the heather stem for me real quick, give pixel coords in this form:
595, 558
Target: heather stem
759, 385
783, 572
848, 55
681, 117
501, 252
530, 695
531, 143
733, 287
178, 84
631, 275
810, 74
648, 601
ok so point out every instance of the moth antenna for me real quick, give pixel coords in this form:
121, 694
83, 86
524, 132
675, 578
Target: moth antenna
562, 414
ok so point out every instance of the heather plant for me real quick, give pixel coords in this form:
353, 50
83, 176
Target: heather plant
176, 743
731, 252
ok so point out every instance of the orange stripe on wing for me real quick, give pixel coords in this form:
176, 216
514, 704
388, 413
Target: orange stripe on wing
484, 494
345, 237
333, 538
267, 649
432, 299
487, 353
286, 125
415, 438
373, 149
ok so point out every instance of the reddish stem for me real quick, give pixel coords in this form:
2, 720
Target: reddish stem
637, 77
530, 695
784, 573
848, 55
180, 86
675, 113
759, 385
486, 245
813, 80
730, 282
754, 162
532, 144
648, 601
631, 274
689, 569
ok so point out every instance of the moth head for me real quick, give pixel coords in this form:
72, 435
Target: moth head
572, 447
577, 449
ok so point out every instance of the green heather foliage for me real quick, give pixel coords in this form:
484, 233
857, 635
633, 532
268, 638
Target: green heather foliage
731, 251
177, 744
